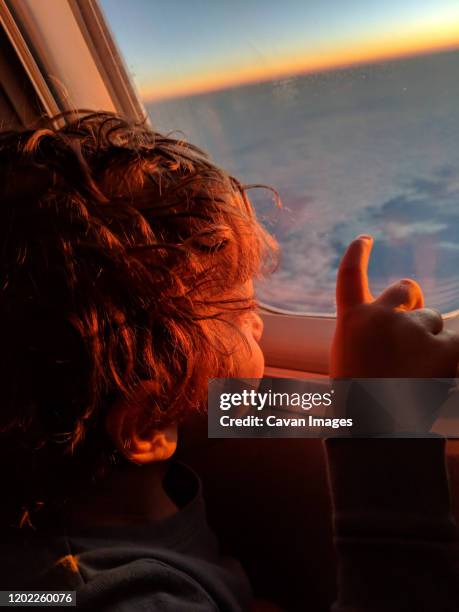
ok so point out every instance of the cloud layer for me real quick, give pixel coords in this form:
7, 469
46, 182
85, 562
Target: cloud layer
370, 149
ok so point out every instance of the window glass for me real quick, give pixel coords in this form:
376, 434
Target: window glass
349, 109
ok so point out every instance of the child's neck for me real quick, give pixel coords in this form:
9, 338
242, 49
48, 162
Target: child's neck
130, 495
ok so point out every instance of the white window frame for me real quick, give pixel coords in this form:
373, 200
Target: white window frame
69, 55
295, 344
72, 61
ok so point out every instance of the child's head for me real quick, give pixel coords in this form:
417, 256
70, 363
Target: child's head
126, 279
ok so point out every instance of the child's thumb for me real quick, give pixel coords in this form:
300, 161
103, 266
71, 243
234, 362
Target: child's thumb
352, 281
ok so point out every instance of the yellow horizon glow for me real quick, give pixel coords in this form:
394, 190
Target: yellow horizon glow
391, 46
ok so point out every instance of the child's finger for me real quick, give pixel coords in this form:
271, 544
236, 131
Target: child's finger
352, 282
448, 349
406, 294
430, 319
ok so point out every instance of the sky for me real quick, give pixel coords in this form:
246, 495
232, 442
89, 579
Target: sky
176, 48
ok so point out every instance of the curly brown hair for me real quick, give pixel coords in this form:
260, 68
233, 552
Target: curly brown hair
119, 246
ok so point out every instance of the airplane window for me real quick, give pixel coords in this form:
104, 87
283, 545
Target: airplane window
349, 109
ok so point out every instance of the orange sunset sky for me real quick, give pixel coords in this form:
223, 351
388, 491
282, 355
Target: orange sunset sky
185, 48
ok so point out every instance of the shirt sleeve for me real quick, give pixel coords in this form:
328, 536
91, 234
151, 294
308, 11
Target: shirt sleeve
395, 535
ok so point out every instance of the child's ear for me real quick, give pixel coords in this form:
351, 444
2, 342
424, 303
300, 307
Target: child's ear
125, 424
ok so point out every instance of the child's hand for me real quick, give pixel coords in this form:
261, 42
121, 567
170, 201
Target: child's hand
391, 336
